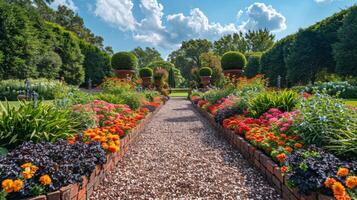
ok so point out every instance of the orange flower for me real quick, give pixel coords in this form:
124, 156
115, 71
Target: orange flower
105, 146
343, 171
113, 148
281, 157
297, 145
338, 189
17, 185
27, 173
7, 185
45, 180
284, 169
351, 182
289, 149
329, 182
26, 165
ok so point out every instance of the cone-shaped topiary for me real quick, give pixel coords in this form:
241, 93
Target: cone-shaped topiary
233, 60
124, 61
145, 72
205, 71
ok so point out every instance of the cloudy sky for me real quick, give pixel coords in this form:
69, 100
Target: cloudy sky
163, 24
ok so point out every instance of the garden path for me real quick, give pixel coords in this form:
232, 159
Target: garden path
179, 156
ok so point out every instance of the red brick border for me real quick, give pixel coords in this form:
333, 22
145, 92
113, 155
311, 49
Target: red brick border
268, 168
89, 184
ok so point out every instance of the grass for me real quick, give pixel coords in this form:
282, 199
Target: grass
179, 94
352, 102
17, 103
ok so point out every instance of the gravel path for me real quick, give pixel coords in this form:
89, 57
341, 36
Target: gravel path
179, 156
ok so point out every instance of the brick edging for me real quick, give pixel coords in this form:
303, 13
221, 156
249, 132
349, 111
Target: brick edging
268, 168
89, 184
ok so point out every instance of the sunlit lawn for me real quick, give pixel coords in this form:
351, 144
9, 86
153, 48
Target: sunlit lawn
179, 94
351, 102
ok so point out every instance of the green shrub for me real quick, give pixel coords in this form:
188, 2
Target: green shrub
253, 65
330, 124
43, 123
124, 61
146, 72
46, 89
205, 71
110, 98
213, 96
341, 89
285, 100
233, 60
150, 94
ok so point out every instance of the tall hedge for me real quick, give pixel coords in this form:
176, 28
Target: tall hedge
253, 65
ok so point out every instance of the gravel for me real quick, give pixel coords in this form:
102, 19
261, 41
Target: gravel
179, 156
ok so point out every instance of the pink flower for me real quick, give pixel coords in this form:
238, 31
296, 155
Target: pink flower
283, 129
272, 120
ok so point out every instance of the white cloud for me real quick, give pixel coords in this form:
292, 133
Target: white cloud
264, 16
117, 12
169, 31
68, 3
323, 1
239, 14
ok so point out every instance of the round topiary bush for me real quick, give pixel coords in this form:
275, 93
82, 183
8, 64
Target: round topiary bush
233, 60
124, 61
205, 71
146, 72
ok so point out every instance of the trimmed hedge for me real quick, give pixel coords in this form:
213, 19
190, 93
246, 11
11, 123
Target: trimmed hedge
124, 61
146, 72
233, 60
205, 71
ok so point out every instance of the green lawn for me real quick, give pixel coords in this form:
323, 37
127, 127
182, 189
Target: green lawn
179, 94
351, 102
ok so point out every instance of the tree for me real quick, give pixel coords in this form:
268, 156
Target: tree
96, 63
213, 62
233, 42
259, 41
253, 65
146, 56
345, 50
49, 65
188, 56
168, 67
18, 44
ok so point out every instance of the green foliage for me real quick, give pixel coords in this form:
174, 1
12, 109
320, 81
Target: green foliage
345, 49
150, 94
3, 151
146, 72
167, 66
205, 71
285, 100
146, 56
341, 89
124, 61
233, 60
49, 65
253, 65
47, 89
213, 61
96, 63
329, 123
172, 82
213, 96
252, 41
26, 123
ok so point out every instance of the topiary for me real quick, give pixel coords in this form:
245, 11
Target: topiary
146, 72
233, 60
205, 71
124, 61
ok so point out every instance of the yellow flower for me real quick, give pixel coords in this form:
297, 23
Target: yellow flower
26, 165
45, 180
7, 185
27, 173
18, 185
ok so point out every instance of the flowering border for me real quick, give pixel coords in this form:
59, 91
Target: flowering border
268, 168
83, 191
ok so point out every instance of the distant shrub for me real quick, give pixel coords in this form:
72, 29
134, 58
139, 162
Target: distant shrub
145, 72
233, 60
342, 88
205, 71
124, 61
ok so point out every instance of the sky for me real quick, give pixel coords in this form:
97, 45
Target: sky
164, 24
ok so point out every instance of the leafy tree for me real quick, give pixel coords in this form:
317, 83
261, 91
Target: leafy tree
259, 41
233, 42
17, 42
124, 61
96, 63
147, 55
253, 65
213, 62
67, 47
188, 56
345, 50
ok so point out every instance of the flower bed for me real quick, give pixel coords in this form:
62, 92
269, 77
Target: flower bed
298, 141
85, 170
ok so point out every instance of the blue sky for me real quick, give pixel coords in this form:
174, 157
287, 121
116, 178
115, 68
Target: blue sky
163, 24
